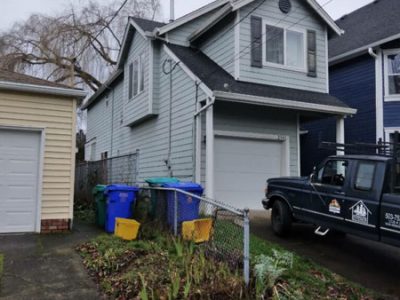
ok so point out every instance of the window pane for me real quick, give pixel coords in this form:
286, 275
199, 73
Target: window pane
130, 81
274, 44
333, 173
295, 49
135, 77
142, 62
394, 64
365, 176
394, 84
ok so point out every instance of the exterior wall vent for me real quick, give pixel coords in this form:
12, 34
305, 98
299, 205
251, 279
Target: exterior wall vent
285, 6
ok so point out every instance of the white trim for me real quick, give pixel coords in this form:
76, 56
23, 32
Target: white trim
358, 223
40, 89
73, 162
190, 16
281, 103
326, 61
318, 213
285, 166
137, 27
205, 89
151, 78
42, 146
340, 133
352, 53
325, 16
210, 168
285, 28
213, 20
298, 145
198, 145
237, 46
379, 96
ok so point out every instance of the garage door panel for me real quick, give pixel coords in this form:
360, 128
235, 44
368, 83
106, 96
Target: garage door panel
20, 152
242, 167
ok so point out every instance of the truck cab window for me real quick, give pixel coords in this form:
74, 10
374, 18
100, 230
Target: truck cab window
333, 173
365, 176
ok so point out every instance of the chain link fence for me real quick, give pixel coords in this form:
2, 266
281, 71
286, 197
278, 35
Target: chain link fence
121, 169
222, 230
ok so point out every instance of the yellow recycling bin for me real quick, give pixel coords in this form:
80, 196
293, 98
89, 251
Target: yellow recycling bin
126, 229
198, 230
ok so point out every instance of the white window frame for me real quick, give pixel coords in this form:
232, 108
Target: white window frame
389, 131
141, 76
388, 97
285, 29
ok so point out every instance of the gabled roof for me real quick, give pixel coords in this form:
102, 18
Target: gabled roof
220, 81
14, 81
147, 25
369, 26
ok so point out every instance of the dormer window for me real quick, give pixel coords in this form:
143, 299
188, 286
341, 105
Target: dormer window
136, 76
284, 47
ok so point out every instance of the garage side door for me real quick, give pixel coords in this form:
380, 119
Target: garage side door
19, 160
242, 167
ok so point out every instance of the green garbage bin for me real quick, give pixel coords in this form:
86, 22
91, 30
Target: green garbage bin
158, 198
100, 204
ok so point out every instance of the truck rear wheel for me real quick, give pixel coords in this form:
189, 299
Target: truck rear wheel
281, 218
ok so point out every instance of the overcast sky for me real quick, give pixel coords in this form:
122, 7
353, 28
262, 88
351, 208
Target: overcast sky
18, 10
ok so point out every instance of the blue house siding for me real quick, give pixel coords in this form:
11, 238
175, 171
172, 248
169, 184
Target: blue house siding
391, 114
354, 83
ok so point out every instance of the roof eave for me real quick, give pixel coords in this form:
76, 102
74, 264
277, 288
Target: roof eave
325, 16
41, 89
282, 103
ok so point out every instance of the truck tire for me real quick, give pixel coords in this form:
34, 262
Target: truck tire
281, 218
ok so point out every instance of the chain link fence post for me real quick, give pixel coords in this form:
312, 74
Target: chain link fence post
246, 246
175, 213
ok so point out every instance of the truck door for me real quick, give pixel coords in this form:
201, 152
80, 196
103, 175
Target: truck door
328, 194
362, 202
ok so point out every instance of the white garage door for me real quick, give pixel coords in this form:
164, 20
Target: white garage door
19, 171
242, 167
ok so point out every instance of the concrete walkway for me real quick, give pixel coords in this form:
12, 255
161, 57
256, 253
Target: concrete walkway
46, 266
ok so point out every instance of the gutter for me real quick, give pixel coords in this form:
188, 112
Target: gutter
39, 89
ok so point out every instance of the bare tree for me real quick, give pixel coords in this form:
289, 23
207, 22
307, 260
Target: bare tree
78, 47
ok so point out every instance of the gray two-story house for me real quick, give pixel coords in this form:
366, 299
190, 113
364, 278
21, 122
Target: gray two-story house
218, 96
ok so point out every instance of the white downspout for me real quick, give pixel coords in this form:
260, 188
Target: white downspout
210, 151
340, 133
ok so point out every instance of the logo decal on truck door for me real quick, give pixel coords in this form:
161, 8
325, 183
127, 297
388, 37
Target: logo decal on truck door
360, 213
334, 207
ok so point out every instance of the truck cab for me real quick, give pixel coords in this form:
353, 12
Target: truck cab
356, 194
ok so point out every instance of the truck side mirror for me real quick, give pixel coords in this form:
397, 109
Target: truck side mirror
313, 174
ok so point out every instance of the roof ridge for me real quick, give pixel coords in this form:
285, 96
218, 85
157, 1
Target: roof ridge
357, 10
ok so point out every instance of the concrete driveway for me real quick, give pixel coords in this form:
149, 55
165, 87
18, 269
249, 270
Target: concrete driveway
371, 264
46, 266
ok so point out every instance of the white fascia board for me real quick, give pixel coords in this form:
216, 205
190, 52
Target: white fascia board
40, 89
355, 52
324, 15
219, 15
190, 16
239, 4
281, 103
185, 68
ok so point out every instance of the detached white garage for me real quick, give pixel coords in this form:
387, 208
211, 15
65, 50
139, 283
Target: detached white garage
37, 154
243, 164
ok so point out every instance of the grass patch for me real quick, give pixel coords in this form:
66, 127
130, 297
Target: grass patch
160, 267
1, 267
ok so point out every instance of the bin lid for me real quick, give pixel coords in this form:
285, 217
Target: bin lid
99, 188
186, 186
122, 187
161, 180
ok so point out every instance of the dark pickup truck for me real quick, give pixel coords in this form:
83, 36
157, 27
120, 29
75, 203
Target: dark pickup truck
356, 194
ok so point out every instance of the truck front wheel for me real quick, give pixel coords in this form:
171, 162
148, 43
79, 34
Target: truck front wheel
281, 218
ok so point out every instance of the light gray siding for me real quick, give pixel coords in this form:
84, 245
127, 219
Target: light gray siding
151, 137
181, 34
300, 17
221, 47
138, 107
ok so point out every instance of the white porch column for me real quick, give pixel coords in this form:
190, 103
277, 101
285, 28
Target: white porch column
210, 152
340, 133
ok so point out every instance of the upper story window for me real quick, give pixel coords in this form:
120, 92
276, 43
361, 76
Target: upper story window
392, 73
284, 47
136, 76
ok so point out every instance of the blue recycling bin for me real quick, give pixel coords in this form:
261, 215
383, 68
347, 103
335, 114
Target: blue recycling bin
120, 201
188, 207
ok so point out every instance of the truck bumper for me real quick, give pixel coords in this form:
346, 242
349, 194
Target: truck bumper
265, 203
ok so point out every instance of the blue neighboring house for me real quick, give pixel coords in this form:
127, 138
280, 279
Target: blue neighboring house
217, 96
364, 71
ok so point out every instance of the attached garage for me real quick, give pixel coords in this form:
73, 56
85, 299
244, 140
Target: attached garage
37, 154
244, 163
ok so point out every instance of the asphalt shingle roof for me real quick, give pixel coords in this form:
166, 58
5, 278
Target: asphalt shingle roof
371, 23
10, 76
217, 79
147, 25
